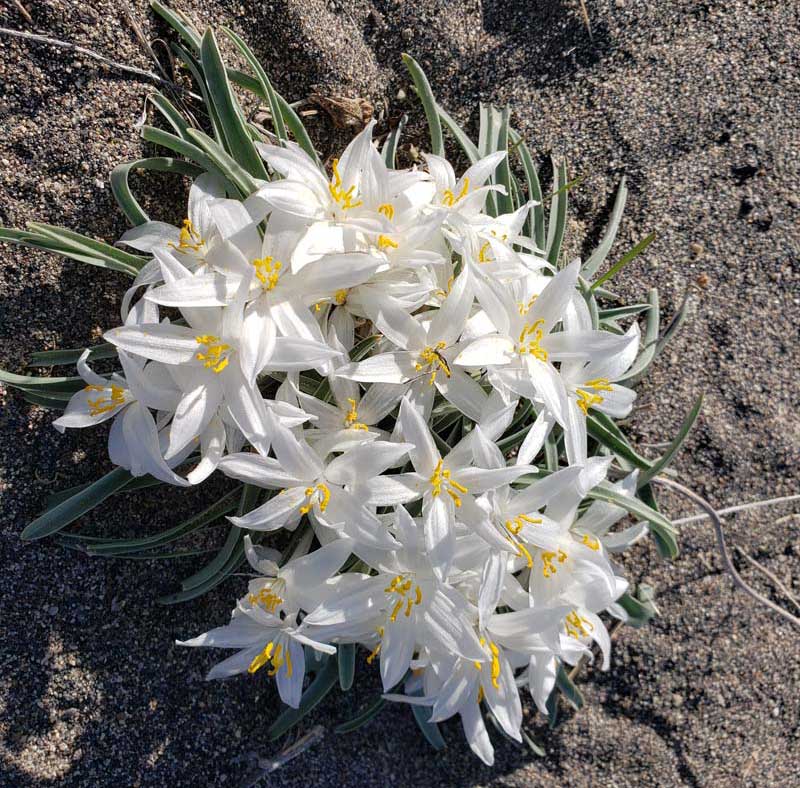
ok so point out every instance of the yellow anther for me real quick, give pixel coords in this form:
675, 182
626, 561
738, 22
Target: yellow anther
105, 404
516, 524
342, 197
480, 691
384, 242
450, 199
189, 239
351, 421
216, 356
268, 271
524, 552
277, 660
525, 308
387, 209
402, 587
482, 254
432, 356
576, 625
262, 658
591, 542
377, 649
267, 597
548, 567
495, 664
529, 339
588, 400
340, 297
442, 479
322, 494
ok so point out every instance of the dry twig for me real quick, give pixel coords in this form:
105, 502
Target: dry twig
24, 12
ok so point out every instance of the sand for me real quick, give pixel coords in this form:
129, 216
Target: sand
697, 103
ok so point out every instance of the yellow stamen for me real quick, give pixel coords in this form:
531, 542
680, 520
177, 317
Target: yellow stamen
450, 199
588, 400
432, 356
591, 542
323, 497
441, 478
216, 356
261, 659
548, 567
340, 297
342, 197
480, 689
515, 525
402, 587
576, 625
351, 421
529, 339
384, 242
105, 404
268, 271
495, 664
267, 597
189, 239
482, 256
525, 308
387, 209
377, 649
277, 661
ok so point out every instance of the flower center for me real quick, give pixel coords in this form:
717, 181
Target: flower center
216, 356
450, 199
268, 271
548, 567
340, 297
529, 339
105, 404
319, 494
387, 209
267, 596
276, 657
577, 625
189, 239
432, 356
343, 198
441, 479
525, 308
405, 593
588, 400
351, 421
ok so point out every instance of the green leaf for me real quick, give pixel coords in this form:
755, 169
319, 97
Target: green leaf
430, 730
648, 353
639, 612
368, 713
669, 455
79, 504
428, 103
390, 146
179, 23
323, 683
612, 439
263, 81
169, 112
625, 259
238, 142
536, 217
228, 166
503, 173
61, 358
346, 657
623, 311
196, 70
461, 137
568, 688
662, 530
134, 212
674, 326
557, 220
599, 255
42, 385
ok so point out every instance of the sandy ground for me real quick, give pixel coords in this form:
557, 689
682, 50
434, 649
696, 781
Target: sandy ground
697, 103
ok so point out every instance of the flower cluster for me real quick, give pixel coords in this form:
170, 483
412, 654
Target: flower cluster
327, 332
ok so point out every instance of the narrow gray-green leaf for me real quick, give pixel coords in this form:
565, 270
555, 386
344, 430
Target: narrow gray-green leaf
599, 255
428, 103
625, 259
669, 455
